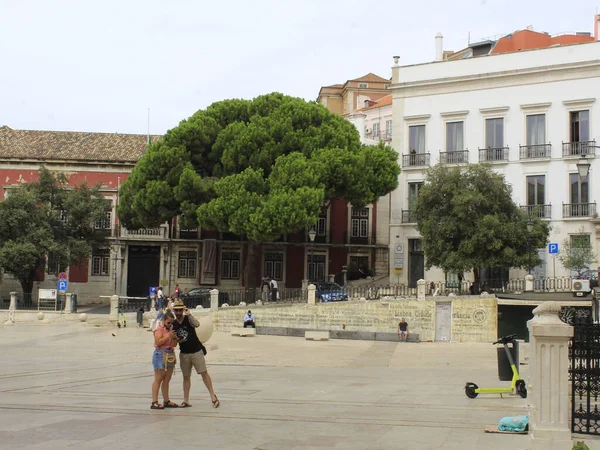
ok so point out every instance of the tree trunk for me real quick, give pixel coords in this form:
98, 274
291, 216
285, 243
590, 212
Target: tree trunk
252, 264
27, 284
476, 281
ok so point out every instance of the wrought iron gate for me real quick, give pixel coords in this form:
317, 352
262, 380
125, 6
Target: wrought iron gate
584, 373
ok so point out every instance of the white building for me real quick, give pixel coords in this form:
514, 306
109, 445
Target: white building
532, 114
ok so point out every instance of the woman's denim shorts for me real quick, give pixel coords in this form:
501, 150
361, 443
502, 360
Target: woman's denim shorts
157, 359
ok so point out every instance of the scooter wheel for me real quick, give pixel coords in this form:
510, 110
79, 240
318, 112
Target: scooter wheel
521, 388
118, 325
470, 390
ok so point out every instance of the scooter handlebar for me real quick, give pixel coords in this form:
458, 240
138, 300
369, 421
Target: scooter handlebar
505, 339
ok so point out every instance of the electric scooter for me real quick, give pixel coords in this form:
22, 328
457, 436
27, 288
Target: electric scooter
517, 385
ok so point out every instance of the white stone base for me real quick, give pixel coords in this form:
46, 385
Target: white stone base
316, 335
243, 332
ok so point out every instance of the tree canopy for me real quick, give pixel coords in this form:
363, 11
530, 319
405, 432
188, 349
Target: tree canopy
258, 168
47, 219
577, 253
468, 221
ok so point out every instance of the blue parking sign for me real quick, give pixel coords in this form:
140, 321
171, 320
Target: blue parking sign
553, 248
62, 285
152, 291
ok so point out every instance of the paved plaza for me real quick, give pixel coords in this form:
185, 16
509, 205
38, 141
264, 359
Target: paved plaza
85, 386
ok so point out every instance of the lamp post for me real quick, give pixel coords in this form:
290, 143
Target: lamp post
583, 168
312, 234
529, 231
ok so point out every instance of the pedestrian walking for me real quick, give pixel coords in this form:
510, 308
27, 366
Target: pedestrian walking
191, 353
274, 290
163, 362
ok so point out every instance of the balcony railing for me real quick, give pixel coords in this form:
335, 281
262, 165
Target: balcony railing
541, 211
322, 238
370, 239
535, 151
146, 233
579, 209
409, 216
498, 154
416, 160
455, 157
579, 148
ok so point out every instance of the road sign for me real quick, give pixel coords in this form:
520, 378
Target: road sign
399, 257
63, 276
553, 248
152, 291
62, 285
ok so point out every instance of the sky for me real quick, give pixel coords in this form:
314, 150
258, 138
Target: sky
75, 65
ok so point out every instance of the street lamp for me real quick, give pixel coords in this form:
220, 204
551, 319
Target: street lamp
583, 168
312, 234
529, 231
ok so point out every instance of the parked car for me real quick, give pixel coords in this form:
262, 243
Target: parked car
591, 275
330, 292
201, 296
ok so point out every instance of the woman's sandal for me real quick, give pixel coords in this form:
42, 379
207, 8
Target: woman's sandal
185, 405
216, 402
170, 404
156, 405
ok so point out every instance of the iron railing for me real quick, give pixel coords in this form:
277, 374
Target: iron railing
578, 209
409, 216
369, 239
416, 160
535, 151
454, 157
541, 211
493, 154
579, 148
133, 304
24, 301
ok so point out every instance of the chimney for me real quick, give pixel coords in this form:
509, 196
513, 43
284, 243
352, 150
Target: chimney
439, 47
596, 22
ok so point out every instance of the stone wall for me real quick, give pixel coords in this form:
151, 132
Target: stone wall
474, 319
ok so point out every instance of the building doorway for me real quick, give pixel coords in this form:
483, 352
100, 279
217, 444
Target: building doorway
143, 269
416, 262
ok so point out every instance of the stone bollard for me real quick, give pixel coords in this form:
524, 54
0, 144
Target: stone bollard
214, 300
312, 294
549, 426
114, 308
12, 308
421, 289
69, 303
529, 283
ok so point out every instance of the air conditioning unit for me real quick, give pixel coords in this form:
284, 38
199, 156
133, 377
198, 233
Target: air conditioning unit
581, 288
368, 130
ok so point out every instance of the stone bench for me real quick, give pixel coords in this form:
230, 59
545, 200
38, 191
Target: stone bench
316, 335
243, 332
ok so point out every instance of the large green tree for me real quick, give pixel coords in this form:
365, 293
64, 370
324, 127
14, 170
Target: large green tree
258, 168
45, 219
469, 221
577, 253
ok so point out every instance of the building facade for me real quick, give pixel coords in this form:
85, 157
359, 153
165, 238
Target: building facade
533, 115
134, 260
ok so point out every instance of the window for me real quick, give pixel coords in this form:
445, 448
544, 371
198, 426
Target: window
360, 222
363, 85
580, 126
230, 266
63, 216
454, 137
316, 267
54, 266
105, 223
579, 189
580, 241
413, 194
416, 138
494, 133
100, 260
375, 130
536, 190
388, 129
322, 226
274, 265
536, 129
187, 264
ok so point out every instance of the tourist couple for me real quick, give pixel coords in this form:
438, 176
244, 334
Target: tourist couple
178, 328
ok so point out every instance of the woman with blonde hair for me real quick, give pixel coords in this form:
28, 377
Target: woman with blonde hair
163, 361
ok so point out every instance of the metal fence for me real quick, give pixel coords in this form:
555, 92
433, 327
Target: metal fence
24, 301
133, 304
233, 297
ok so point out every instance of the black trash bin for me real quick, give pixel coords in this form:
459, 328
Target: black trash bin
504, 369
140, 316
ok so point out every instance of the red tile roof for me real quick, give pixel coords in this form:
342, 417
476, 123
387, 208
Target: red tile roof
371, 78
72, 146
530, 40
383, 101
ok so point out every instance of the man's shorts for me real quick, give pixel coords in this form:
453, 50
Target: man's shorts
403, 333
189, 360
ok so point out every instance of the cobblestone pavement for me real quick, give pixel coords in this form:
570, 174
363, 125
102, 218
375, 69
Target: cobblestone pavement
68, 384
